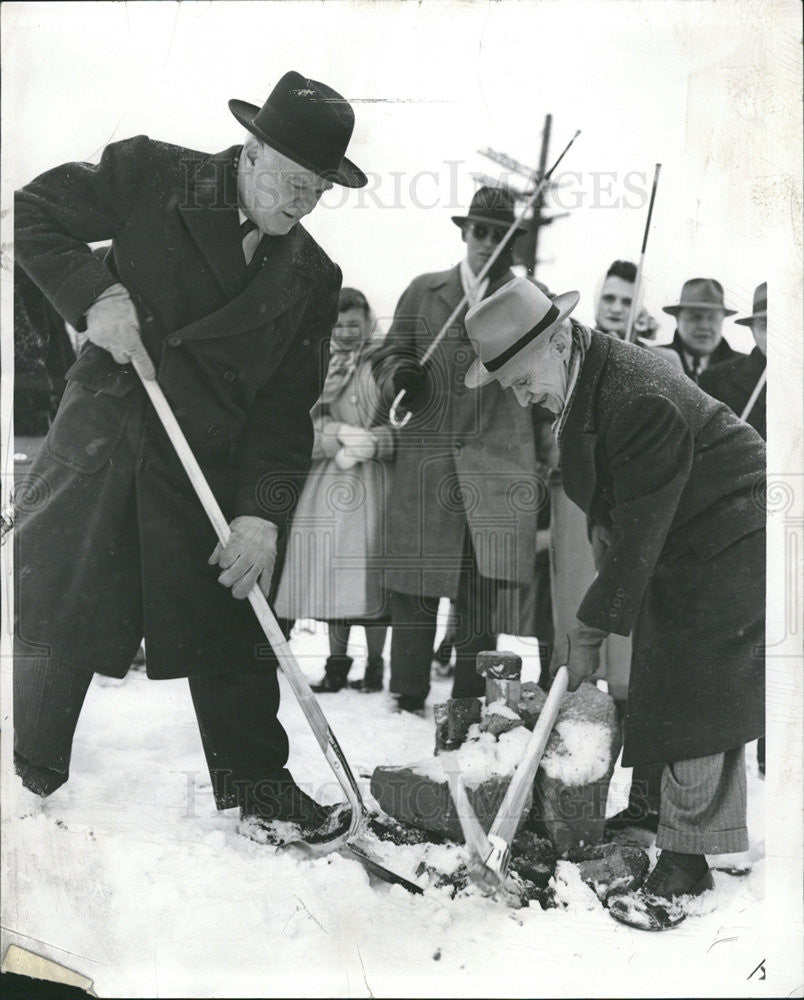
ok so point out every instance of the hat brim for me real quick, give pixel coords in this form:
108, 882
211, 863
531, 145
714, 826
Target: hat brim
477, 374
749, 320
347, 175
676, 309
459, 220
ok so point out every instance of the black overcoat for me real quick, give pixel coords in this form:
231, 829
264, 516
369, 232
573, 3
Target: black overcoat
733, 382
678, 481
112, 542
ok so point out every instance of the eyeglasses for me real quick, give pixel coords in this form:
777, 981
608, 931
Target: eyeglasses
481, 230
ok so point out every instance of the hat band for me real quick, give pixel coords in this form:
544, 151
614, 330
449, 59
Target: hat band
548, 319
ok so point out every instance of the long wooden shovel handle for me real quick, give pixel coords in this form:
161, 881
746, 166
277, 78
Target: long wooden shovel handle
510, 811
287, 661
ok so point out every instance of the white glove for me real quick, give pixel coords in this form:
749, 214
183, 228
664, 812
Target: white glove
345, 458
248, 556
113, 325
359, 441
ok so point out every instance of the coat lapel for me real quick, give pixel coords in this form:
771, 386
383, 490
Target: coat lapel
579, 437
209, 212
286, 275
449, 292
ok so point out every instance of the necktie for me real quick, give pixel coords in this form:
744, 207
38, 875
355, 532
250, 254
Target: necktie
249, 238
695, 368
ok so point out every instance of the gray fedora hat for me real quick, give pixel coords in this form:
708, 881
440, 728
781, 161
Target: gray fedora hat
700, 293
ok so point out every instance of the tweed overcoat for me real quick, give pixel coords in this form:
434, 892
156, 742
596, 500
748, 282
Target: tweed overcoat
112, 543
467, 458
678, 481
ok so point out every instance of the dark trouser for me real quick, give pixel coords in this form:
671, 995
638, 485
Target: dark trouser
243, 741
413, 624
375, 638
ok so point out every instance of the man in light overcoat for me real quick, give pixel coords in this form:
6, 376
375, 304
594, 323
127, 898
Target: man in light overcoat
465, 493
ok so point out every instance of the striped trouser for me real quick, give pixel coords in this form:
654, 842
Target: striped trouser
703, 805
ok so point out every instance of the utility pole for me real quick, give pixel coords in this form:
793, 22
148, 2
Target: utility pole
526, 247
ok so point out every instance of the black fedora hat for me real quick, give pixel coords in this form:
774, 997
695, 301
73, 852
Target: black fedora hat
494, 206
308, 122
760, 305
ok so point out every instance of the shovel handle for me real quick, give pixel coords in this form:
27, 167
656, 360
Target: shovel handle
510, 812
287, 661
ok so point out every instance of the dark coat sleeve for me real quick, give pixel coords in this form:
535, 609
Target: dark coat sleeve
649, 449
279, 437
63, 210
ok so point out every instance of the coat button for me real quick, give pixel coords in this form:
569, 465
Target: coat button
230, 375
143, 464
612, 614
617, 602
174, 341
458, 445
213, 430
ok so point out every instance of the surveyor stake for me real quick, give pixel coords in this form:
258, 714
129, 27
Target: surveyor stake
349, 842
393, 416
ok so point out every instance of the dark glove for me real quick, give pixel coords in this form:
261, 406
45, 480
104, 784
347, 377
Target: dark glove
410, 377
581, 654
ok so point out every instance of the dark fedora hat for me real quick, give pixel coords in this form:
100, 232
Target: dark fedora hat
491, 205
760, 305
700, 293
308, 122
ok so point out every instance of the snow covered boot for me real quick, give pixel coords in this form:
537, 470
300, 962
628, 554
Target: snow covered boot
663, 899
336, 670
372, 679
278, 812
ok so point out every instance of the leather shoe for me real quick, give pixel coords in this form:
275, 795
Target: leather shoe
663, 899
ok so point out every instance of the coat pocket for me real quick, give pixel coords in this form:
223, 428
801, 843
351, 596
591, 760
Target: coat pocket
88, 427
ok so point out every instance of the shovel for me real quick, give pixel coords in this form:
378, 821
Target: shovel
348, 843
490, 853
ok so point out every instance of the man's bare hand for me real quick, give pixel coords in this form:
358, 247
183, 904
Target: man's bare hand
113, 325
248, 556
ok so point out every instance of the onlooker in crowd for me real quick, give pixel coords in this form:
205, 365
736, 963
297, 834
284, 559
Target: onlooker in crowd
672, 476
698, 341
212, 284
614, 303
463, 504
735, 383
331, 570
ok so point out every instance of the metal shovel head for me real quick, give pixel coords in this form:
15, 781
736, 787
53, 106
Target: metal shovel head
488, 857
352, 844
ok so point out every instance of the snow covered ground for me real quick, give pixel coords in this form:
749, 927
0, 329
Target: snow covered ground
128, 875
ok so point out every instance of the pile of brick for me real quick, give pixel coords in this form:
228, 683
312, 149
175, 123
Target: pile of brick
486, 741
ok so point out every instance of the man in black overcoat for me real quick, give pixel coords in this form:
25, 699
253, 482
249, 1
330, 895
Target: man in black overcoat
734, 382
698, 342
674, 483
213, 286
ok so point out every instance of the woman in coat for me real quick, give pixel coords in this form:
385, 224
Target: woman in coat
331, 570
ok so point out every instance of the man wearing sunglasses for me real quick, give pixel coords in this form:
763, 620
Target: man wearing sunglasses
455, 527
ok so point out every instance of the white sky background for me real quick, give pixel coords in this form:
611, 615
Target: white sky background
698, 86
